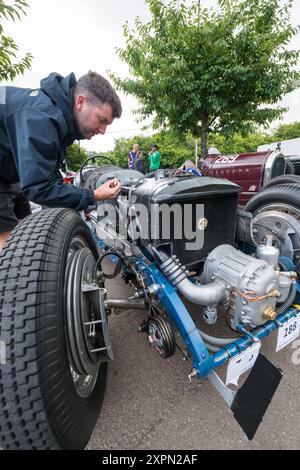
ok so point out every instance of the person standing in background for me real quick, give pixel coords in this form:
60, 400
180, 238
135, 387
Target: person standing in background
132, 156
154, 158
138, 163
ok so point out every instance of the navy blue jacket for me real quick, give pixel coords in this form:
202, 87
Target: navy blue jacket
36, 127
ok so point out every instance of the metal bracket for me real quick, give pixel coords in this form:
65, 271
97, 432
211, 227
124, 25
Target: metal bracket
225, 392
242, 329
97, 298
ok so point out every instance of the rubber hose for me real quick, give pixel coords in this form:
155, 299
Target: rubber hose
288, 301
217, 341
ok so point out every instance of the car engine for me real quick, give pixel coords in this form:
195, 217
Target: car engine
153, 212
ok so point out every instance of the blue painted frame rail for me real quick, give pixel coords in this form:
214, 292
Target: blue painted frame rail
262, 332
203, 361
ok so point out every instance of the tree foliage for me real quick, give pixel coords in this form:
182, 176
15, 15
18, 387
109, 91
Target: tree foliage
199, 71
75, 157
174, 151
9, 69
287, 131
238, 143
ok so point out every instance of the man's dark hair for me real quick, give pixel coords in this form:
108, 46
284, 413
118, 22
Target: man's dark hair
96, 87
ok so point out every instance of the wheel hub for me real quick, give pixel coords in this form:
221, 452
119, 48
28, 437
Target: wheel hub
284, 228
84, 319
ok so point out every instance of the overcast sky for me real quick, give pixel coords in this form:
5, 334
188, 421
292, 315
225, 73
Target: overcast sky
79, 35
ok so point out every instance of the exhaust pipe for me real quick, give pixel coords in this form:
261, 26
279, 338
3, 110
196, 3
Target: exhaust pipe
207, 295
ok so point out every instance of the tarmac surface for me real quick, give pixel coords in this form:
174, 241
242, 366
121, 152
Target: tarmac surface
150, 404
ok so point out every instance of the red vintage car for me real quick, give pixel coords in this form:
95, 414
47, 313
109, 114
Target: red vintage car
251, 171
270, 193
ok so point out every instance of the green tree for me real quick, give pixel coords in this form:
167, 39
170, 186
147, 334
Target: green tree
198, 71
75, 157
8, 48
174, 151
287, 131
238, 143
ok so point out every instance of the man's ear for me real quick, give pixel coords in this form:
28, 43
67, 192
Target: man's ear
80, 101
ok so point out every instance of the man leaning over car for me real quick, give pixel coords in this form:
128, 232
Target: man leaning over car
36, 127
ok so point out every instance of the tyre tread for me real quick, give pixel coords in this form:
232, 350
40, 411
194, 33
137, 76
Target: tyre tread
21, 271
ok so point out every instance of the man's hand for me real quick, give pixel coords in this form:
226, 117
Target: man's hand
108, 190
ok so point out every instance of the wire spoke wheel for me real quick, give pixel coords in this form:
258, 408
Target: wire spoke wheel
269, 208
280, 207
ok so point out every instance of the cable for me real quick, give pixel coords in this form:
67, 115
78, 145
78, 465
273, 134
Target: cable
91, 159
258, 298
118, 267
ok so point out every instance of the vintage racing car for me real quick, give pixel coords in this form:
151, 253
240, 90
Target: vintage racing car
252, 171
173, 239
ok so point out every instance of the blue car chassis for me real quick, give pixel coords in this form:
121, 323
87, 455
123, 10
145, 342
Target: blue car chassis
252, 399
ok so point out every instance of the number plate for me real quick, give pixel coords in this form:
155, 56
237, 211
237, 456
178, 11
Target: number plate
288, 333
241, 363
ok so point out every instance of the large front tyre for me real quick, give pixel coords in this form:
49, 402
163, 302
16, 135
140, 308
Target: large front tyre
51, 382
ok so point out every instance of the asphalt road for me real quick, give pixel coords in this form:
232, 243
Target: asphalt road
151, 405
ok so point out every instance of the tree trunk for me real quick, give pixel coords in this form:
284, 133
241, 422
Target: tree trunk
204, 132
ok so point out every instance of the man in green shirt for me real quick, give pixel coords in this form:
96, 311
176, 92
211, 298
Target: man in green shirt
154, 158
